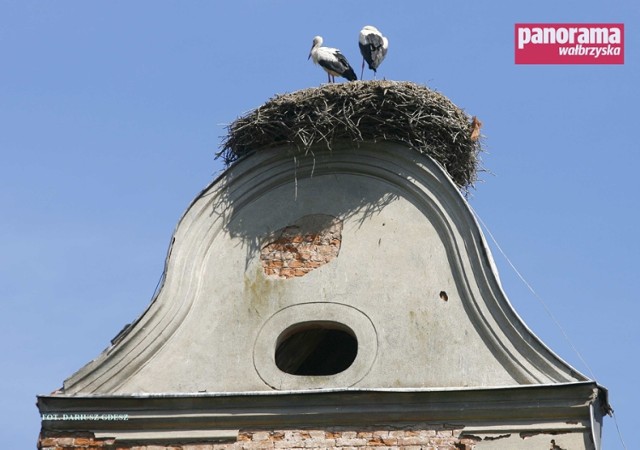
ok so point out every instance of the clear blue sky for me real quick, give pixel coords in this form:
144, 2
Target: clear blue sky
111, 113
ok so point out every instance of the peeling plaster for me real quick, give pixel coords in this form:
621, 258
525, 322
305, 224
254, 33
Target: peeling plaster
495, 438
554, 446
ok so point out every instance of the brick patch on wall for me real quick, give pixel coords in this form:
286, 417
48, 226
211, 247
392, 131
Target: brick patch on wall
73, 441
334, 438
295, 250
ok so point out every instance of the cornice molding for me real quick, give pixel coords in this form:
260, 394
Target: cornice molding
214, 416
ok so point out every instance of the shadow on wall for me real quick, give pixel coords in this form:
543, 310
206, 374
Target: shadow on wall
284, 205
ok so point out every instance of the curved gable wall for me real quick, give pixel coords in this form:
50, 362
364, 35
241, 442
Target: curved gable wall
367, 238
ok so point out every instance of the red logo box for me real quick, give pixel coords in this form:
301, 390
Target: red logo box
569, 43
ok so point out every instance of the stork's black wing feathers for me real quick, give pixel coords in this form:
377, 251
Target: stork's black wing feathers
365, 49
347, 72
339, 66
374, 40
373, 51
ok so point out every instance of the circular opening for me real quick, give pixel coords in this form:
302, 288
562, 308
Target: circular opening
316, 348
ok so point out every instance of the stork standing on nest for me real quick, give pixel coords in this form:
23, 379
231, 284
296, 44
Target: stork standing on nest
373, 46
331, 60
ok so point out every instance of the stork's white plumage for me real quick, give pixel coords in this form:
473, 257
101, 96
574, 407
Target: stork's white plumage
373, 46
331, 60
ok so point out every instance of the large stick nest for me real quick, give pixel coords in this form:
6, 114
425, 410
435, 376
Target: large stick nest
362, 111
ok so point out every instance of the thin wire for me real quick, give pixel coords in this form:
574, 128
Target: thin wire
615, 420
544, 305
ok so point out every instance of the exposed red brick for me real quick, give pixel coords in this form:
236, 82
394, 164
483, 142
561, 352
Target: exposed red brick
311, 242
83, 441
390, 441
244, 436
277, 435
64, 441
46, 442
332, 437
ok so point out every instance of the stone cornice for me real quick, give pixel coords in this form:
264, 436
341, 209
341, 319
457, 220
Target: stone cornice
215, 416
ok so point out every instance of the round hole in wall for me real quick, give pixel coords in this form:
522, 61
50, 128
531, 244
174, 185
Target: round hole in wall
294, 318
316, 348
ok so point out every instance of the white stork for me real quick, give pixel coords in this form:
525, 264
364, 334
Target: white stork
331, 60
373, 46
